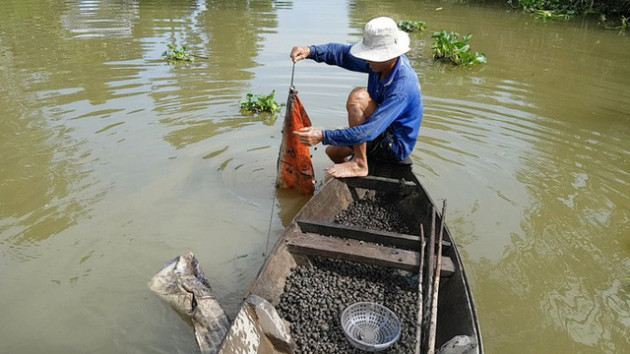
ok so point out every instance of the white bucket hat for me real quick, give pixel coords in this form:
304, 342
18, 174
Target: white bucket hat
382, 41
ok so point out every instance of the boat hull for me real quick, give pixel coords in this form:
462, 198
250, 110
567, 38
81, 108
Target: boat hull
314, 234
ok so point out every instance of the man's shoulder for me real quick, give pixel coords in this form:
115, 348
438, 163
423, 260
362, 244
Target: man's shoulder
405, 68
406, 80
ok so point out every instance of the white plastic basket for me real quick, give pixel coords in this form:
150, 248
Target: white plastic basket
370, 327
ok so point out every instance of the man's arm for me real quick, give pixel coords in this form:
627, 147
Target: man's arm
331, 54
384, 115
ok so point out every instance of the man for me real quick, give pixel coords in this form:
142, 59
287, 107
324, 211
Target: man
384, 119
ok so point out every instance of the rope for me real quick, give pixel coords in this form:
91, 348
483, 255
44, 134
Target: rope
273, 205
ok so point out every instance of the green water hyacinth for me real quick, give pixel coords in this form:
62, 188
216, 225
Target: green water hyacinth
448, 46
260, 103
173, 54
551, 15
412, 26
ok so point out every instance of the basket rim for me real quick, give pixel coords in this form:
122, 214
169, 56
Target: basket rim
366, 344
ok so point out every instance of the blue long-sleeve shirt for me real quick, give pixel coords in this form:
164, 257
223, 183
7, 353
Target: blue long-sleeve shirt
398, 99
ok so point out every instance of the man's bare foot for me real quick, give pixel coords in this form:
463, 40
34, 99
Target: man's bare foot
348, 169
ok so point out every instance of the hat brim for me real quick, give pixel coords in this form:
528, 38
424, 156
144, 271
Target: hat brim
361, 51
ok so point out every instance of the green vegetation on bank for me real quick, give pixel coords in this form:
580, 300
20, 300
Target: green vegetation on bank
622, 26
173, 54
550, 9
617, 11
260, 103
448, 46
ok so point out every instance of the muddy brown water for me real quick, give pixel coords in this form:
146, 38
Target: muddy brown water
113, 162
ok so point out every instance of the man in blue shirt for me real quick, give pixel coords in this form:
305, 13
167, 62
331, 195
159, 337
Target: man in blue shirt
385, 118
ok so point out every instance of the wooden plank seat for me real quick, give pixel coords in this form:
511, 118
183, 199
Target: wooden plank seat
385, 238
359, 251
381, 184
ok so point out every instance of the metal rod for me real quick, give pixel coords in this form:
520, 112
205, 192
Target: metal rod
292, 75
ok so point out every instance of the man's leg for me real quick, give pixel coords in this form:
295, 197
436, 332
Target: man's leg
360, 107
339, 154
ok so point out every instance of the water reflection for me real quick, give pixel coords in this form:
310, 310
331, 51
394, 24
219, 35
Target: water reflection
42, 167
86, 19
203, 97
42, 173
568, 191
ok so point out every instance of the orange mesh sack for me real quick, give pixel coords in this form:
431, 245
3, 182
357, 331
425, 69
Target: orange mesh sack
295, 168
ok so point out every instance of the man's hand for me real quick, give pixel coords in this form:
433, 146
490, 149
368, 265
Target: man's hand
309, 136
299, 53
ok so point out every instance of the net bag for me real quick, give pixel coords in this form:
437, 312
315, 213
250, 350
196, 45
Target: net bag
295, 168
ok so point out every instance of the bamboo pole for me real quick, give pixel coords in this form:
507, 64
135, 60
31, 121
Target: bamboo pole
436, 287
420, 288
430, 268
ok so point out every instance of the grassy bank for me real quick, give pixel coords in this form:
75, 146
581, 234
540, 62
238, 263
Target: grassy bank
609, 8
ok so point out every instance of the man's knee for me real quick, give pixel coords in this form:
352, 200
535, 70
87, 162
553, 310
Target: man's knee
360, 105
359, 97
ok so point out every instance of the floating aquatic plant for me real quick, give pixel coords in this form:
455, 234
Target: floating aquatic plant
448, 46
173, 54
550, 9
551, 15
412, 26
260, 103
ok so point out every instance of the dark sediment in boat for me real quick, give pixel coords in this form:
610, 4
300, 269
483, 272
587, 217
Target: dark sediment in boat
374, 213
316, 294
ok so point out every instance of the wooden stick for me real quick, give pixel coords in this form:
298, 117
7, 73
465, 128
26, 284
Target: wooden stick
436, 287
199, 56
430, 271
420, 288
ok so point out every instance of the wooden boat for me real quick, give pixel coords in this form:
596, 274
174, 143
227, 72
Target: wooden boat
309, 235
